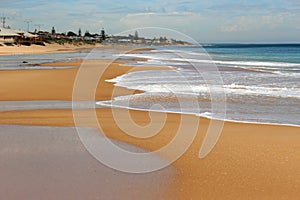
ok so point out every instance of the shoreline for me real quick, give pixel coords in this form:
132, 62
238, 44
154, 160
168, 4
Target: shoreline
47, 49
116, 66
249, 161
60, 105
205, 117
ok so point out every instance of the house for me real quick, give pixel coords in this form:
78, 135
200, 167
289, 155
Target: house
25, 34
27, 38
8, 36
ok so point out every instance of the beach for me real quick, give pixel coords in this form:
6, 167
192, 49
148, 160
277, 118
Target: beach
250, 161
37, 49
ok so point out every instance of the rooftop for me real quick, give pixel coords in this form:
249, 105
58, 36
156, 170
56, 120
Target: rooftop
7, 32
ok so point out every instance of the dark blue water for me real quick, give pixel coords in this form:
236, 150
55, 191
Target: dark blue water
257, 52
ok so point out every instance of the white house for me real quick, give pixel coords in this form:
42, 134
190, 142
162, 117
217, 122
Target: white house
25, 34
8, 36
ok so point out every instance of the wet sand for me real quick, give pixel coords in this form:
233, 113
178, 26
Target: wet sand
51, 163
57, 84
250, 161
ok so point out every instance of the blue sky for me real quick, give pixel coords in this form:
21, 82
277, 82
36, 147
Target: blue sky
204, 20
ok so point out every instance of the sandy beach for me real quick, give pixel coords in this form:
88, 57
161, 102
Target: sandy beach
37, 49
250, 161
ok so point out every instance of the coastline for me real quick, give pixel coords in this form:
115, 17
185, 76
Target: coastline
47, 49
249, 161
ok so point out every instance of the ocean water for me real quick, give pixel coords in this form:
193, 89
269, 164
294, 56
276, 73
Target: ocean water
254, 83
246, 83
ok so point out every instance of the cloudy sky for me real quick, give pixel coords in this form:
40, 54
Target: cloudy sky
204, 20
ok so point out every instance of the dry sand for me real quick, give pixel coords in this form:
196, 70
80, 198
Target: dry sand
37, 49
250, 161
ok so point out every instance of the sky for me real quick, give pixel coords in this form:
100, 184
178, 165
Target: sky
243, 21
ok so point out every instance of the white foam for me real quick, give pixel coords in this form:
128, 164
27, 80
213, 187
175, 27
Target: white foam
277, 85
174, 83
207, 115
269, 91
177, 57
196, 59
243, 63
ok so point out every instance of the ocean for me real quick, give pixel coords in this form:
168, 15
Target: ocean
251, 83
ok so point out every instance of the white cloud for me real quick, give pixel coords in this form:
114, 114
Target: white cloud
209, 20
250, 23
165, 20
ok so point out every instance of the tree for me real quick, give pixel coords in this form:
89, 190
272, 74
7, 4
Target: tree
103, 36
79, 32
71, 34
53, 30
136, 35
87, 34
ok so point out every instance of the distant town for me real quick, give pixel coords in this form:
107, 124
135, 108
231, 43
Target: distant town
11, 37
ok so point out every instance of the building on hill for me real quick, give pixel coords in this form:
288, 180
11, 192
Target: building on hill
8, 36
27, 38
